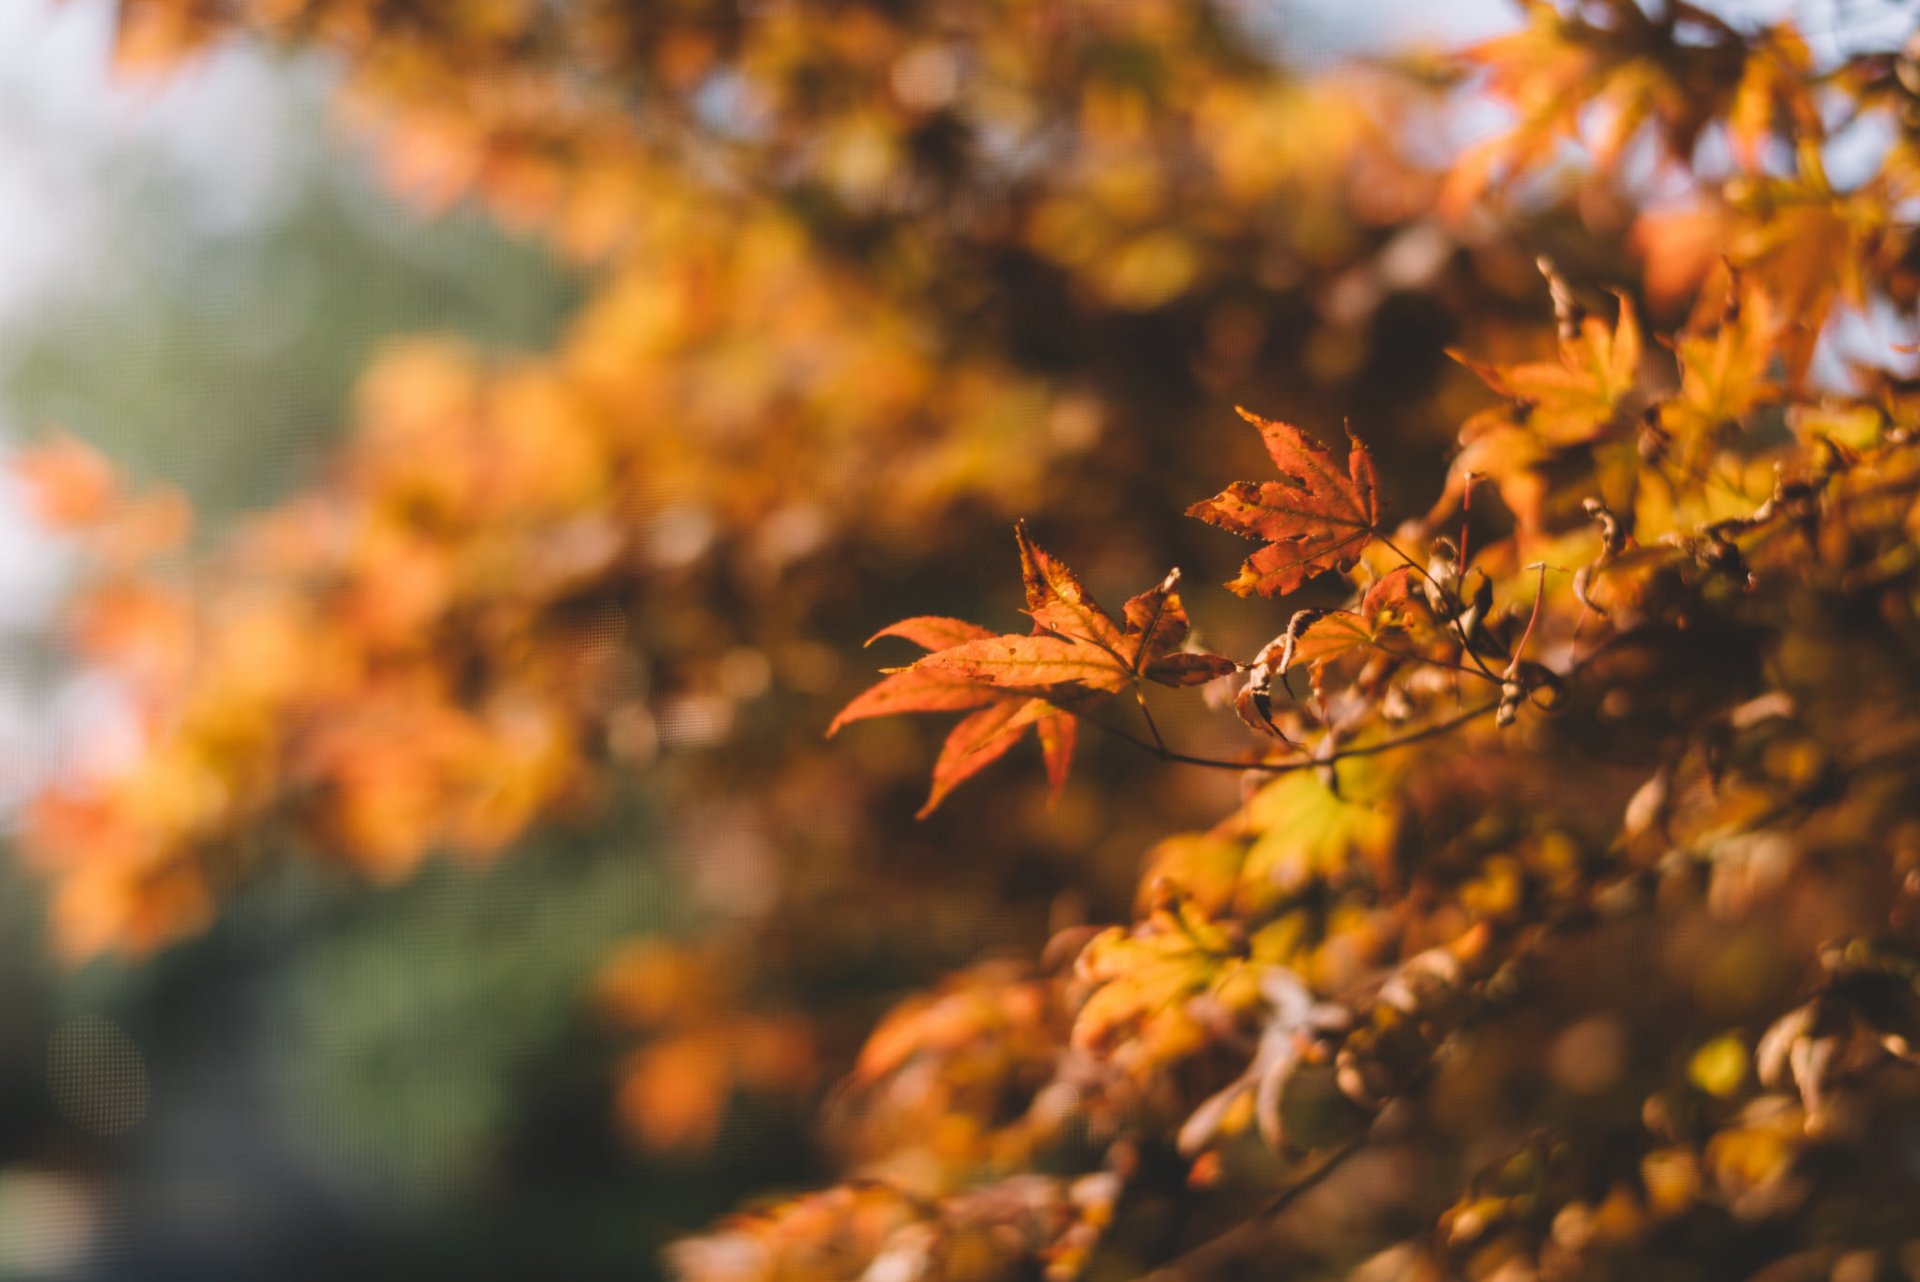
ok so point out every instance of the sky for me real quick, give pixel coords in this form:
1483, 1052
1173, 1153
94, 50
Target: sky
73, 144
229, 130
78, 151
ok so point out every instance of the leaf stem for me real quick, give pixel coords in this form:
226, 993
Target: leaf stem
1164, 753
1454, 604
1411, 657
1539, 593
1159, 742
1220, 1256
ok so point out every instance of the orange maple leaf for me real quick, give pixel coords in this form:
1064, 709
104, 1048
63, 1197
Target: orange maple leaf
997, 722
1077, 643
1591, 393
1724, 372
1313, 519
1010, 684
1581, 397
1390, 604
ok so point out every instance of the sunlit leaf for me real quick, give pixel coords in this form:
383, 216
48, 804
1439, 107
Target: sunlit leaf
1317, 518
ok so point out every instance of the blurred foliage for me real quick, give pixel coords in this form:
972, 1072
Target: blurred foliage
392, 1027
216, 353
1548, 913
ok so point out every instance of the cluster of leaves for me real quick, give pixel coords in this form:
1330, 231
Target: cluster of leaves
861, 283
620, 548
1020, 682
1598, 804
1561, 925
946, 132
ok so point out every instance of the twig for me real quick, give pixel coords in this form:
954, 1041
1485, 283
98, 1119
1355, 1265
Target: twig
1453, 612
1288, 767
1216, 1257
1411, 657
1539, 594
1466, 514
1153, 727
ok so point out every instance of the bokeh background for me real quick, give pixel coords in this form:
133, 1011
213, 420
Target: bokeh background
449, 1074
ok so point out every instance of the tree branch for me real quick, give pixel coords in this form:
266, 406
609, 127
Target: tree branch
1288, 767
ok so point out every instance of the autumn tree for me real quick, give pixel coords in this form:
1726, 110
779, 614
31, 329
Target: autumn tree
1555, 913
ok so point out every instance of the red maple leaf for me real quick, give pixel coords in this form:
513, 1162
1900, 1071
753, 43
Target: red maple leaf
1314, 519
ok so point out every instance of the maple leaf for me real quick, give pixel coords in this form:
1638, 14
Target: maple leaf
1553, 71
1723, 373
1583, 395
1774, 85
913, 689
989, 734
997, 722
1313, 519
1812, 247
1056, 599
1589, 395
1316, 637
1010, 685
1389, 606
1077, 643
1309, 832
1138, 1012
1604, 73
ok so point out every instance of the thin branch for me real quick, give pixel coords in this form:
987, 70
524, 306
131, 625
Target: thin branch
1433, 731
1454, 611
1153, 727
1217, 1258
1322, 1170
1288, 767
1466, 515
1539, 594
1411, 657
